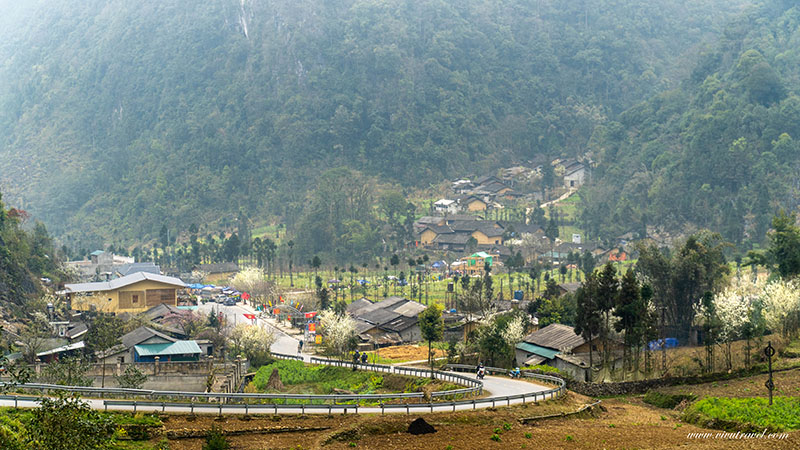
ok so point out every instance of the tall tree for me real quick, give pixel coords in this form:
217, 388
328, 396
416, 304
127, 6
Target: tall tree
432, 328
588, 317
607, 292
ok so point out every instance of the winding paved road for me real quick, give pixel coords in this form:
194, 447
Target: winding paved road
496, 387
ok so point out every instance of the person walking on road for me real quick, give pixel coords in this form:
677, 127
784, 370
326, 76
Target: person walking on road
364, 357
355, 360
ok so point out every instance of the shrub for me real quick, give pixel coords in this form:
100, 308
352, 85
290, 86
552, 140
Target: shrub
496, 437
215, 440
132, 378
668, 401
11, 431
68, 423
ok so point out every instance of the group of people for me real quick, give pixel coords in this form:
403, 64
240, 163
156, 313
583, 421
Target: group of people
481, 371
359, 356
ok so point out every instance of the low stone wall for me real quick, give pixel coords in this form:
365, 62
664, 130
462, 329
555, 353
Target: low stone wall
642, 386
191, 383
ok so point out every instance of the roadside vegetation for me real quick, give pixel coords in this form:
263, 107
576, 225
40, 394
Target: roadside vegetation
300, 378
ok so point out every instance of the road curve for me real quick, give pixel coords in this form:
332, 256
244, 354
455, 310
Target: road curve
496, 388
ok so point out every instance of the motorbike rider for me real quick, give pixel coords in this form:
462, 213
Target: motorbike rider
515, 373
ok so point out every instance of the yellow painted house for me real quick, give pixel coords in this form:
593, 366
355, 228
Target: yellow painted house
133, 293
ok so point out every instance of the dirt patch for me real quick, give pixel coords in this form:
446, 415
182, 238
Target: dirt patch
625, 423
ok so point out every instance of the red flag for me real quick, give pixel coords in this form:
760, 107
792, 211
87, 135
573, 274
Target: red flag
245, 296
250, 316
312, 328
276, 311
311, 314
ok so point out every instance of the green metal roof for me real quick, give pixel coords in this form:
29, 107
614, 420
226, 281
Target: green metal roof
544, 352
168, 348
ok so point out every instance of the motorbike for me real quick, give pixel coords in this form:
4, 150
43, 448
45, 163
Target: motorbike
514, 374
481, 373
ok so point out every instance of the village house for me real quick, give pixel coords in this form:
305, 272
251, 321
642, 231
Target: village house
144, 344
100, 264
472, 203
446, 206
474, 264
215, 272
133, 293
558, 346
391, 321
574, 174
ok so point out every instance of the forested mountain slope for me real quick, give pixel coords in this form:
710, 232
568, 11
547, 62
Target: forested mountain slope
720, 151
117, 117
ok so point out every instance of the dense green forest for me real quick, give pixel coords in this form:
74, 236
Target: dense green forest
118, 118
719, 151
25, 257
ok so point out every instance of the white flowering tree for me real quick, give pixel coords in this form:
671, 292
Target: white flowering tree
339, 331
514, 331
254, 281
733, 311
781, 304
253, 342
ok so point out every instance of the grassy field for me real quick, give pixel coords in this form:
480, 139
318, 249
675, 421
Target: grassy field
433, 289
746, 414
300, 378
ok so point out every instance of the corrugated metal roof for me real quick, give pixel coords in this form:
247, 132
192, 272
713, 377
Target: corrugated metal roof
555, 336
142, 334
173, 348
122, 282
410, 309
546, 353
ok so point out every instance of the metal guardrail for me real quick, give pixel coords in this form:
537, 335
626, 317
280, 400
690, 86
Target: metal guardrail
330, 403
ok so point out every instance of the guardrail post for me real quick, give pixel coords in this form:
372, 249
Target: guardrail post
15, 403
163, 406
191, 407
407, 411
492, 402
134, 406
303, 408
473, 404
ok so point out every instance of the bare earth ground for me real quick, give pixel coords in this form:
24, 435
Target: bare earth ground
625, 423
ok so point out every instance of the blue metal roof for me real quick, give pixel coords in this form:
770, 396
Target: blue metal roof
547, 353
167, 349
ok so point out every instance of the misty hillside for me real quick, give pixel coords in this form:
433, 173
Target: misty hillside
118, 117
719, 151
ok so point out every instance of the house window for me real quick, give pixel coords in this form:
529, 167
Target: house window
134, 299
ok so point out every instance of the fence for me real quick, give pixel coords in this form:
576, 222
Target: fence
343, 403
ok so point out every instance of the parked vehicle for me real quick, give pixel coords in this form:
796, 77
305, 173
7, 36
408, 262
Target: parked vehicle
230, 301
